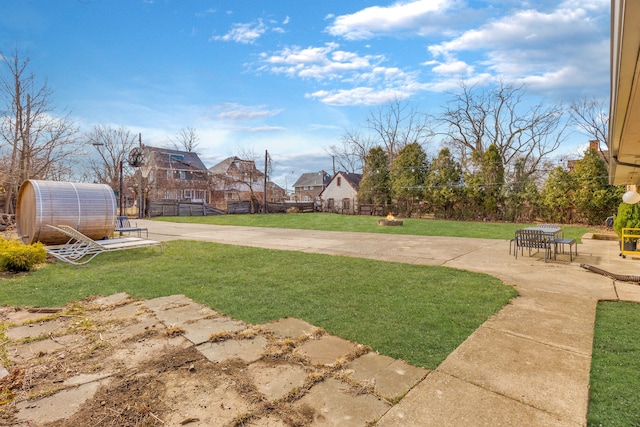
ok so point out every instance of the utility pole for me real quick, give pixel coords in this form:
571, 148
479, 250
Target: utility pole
122, 211
140, 210
266, 159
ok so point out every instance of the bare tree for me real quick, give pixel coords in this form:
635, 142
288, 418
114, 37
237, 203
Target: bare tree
187, 139
398, 124
35, 138
350, 154
113, 147
392, 126
591, 115
477, 118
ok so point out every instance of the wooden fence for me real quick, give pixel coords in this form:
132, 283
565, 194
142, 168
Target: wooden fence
173, 208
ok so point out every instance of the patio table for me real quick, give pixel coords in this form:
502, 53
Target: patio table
555, 235
553, 232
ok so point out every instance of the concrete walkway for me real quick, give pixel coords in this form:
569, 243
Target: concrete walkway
527, 365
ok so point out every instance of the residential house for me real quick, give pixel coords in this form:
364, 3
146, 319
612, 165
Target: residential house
173, 175
341, 194
309, 186
275, 193
236, 180
624, 111
595, 146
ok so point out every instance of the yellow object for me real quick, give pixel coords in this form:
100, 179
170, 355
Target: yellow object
629, 234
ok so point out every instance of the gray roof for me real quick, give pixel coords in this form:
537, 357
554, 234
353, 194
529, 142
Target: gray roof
188, 158
313, 179
353, 178
238, 165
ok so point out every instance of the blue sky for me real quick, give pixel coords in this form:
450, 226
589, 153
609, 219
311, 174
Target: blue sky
290, 76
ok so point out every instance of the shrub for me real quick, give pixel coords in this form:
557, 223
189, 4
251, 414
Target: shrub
16, 256
628, 217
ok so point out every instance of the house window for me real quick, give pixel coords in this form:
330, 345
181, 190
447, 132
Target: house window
346, 204
330, 204
339, 181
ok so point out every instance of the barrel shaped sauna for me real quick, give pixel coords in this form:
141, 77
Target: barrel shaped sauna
89, 208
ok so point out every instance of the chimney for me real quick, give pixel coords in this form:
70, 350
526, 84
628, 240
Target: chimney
594, 145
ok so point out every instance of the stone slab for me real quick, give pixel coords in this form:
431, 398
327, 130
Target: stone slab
249, 350
124, 312
290, 327
141, 351
443, 400
40, 348
327, 350
521, 369
334, 403
390, 378
137, 328
168, 302
200, 331
33, 330
276, 381
114, 299
20, 316
182, 314
58, 406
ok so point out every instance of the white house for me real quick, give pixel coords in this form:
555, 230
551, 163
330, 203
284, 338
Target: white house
624, 114
341, 194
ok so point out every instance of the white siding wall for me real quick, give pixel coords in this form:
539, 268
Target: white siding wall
338, 193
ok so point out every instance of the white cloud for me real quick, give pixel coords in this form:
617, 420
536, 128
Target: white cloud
358, 96
375, 82
546, 49
402, 16
243, 33
205, 13
236, 112
325, 62
452, 67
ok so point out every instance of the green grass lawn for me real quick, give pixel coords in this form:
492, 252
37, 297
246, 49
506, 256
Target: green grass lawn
369, 224
615, 366
416, 313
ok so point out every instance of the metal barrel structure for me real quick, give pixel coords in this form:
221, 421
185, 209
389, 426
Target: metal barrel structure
89, 208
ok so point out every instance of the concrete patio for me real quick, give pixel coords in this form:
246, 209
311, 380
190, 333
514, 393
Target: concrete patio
529, 364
